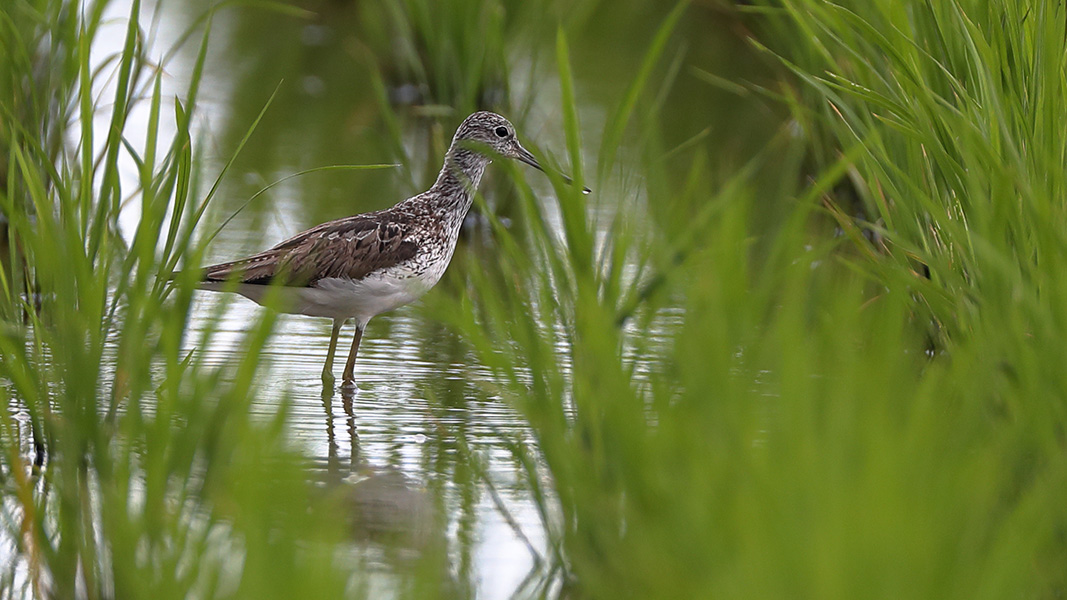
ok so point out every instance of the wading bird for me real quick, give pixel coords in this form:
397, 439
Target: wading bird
360, 266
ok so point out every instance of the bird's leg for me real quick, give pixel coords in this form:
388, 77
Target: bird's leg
350, 366
327, 370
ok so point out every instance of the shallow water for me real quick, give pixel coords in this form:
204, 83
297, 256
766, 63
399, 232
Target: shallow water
421, 404
418, 410
413, 414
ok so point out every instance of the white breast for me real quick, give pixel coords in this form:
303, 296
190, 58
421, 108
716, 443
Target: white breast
360, 299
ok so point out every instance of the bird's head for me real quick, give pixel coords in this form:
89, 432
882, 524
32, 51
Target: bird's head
487, 131
490, 134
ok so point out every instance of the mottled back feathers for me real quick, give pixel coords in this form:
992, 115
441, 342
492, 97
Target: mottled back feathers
348, 248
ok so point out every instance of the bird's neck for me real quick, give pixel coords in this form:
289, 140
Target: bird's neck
459, 177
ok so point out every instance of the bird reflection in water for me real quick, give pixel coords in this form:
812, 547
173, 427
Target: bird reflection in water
386, 505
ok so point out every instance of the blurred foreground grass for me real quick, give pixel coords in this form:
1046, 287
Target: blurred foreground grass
837, 374
865, 398
130, 469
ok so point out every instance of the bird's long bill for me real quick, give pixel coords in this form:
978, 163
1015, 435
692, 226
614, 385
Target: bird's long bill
524, 155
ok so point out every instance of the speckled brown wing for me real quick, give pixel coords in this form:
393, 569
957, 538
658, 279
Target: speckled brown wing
349, 248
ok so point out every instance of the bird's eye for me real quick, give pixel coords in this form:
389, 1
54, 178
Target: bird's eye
501, 131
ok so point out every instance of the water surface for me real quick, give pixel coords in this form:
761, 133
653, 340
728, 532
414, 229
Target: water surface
421, 416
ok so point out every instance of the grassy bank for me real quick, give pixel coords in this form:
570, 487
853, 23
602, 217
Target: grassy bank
864, 398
